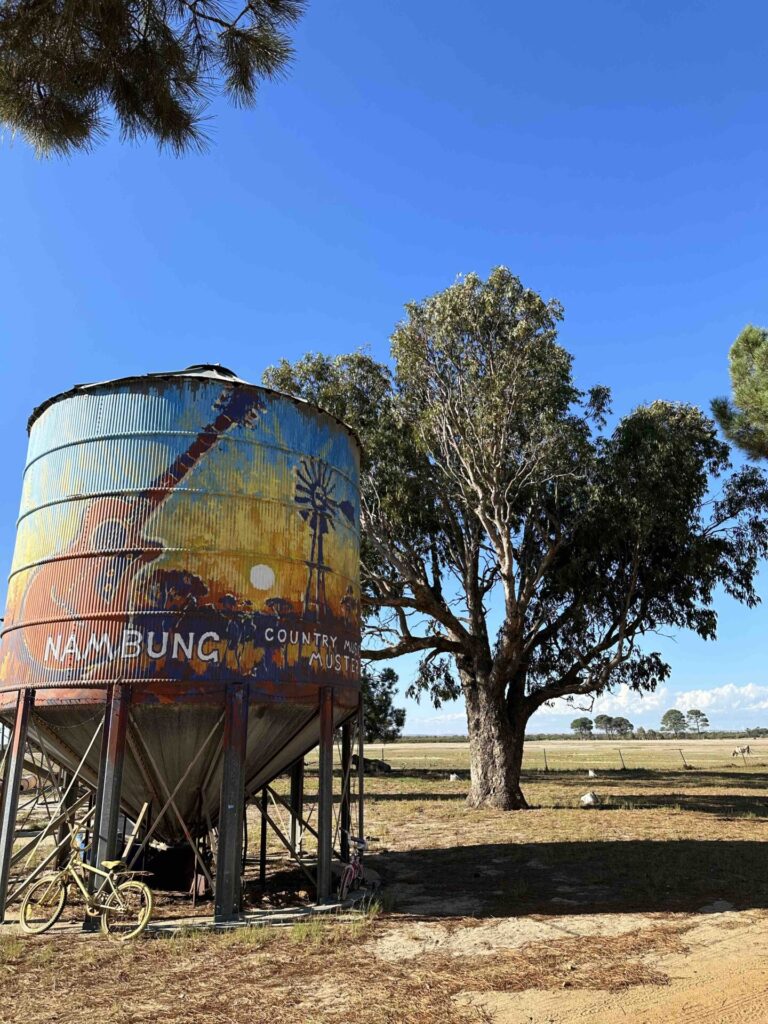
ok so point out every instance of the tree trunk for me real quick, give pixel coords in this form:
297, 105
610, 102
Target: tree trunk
495, 749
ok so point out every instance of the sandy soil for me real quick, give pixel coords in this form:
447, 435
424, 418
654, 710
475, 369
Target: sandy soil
720, 978
653, 910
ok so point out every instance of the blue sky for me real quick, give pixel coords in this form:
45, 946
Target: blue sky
613, 154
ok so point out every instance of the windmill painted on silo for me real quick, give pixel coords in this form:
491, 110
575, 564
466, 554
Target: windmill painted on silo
315, 490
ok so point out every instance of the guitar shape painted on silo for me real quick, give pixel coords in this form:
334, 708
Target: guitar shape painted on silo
112, 529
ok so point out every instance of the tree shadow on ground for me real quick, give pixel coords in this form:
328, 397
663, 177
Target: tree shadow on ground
688, 779
502, 880
724, 806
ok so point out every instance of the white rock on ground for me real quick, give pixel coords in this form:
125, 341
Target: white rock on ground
590, 799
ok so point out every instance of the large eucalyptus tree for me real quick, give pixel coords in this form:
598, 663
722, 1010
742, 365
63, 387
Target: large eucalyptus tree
524, 551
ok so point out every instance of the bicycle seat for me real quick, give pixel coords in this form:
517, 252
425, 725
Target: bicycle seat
111, 864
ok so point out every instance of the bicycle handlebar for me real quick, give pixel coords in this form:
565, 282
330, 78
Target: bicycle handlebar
363, 843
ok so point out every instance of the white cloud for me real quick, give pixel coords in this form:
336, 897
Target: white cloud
623, 702
725, 698
445, 716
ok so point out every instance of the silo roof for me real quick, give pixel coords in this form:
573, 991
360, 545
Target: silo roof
199, 371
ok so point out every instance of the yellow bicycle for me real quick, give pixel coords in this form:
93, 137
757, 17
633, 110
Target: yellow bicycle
121, 900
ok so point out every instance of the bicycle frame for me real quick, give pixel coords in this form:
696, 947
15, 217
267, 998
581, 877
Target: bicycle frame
353, 871
91, 899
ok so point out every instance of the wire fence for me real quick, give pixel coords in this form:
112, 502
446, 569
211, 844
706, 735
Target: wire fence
597, 755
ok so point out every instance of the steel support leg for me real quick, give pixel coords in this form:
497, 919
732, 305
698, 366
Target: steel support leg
325, 797
263, 840
92, 851
9, 802
107, 804
297, 805
360, 770
346, 788
229, 858
108, 798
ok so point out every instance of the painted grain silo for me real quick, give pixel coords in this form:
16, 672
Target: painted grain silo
183, 611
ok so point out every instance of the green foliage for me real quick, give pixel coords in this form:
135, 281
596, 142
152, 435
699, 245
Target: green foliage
622, 727
697, 720
582, 727
152, 63
435, 679
604, 722
744, 418
673, 721
489, 482
383, 721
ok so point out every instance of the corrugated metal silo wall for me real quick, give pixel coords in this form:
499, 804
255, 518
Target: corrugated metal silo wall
177, 535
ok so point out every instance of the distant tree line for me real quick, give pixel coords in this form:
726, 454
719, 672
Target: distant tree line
673, 723
640, 733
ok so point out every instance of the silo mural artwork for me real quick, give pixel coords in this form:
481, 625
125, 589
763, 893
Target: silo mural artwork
180, 534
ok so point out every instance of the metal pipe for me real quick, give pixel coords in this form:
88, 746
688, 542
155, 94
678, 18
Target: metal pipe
105, 722
325, 797
303, 822
297, 804
39, 868
9, 801
263, 841
360, 769
232, 807
65, 805
108, 799
107, 804
64, 818
287, 844
346, 763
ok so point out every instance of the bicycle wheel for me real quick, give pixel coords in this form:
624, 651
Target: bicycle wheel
127, 911
42, 906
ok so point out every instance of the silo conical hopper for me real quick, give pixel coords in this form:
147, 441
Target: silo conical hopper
180, 534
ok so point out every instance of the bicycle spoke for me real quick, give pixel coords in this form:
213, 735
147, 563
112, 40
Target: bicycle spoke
128, 910
42, 905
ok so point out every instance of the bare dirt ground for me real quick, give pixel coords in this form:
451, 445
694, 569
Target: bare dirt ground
653, 908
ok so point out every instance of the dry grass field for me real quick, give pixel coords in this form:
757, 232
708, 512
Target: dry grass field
653, 908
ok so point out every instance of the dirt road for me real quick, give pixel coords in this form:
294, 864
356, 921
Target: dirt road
721, 977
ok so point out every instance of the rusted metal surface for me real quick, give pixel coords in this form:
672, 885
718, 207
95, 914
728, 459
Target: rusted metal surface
110, 784
180, 534
325, 797
229, 864
10, 795
346, 789
361, 769
296, 805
